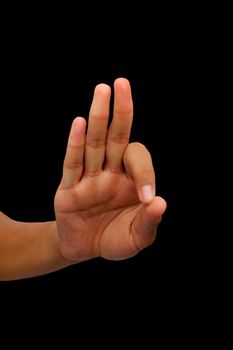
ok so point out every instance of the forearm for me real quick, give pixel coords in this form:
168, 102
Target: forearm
28, 249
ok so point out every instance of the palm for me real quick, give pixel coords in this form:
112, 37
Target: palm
100, 210
98, 216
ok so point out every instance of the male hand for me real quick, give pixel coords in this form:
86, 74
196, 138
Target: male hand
105, 204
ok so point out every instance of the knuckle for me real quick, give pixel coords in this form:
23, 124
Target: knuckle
138, 146
95, 143
120, 138
138, 149
123, 113
72, 164
93, 173
100, 117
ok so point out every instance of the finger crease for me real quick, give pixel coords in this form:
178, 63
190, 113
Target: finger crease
96, 144
93, 173
119, 139
74, 165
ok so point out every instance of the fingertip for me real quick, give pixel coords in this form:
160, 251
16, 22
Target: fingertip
77, 130
79, 121
102, 89
161, 205
121, 82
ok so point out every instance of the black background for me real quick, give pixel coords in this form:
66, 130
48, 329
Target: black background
47, 78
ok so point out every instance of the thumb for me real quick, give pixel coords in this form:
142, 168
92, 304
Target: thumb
144, 226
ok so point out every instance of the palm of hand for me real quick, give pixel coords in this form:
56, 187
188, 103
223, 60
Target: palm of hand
95, 219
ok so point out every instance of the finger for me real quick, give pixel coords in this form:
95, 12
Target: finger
119, 130
97, 130
145, 224
73, 163
139, 166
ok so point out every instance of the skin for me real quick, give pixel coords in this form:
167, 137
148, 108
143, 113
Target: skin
99, 205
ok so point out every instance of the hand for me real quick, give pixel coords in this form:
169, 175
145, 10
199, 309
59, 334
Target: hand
99, 205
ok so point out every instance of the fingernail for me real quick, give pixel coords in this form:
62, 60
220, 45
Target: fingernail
147, 193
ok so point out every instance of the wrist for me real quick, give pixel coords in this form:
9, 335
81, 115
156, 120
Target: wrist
55, 246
